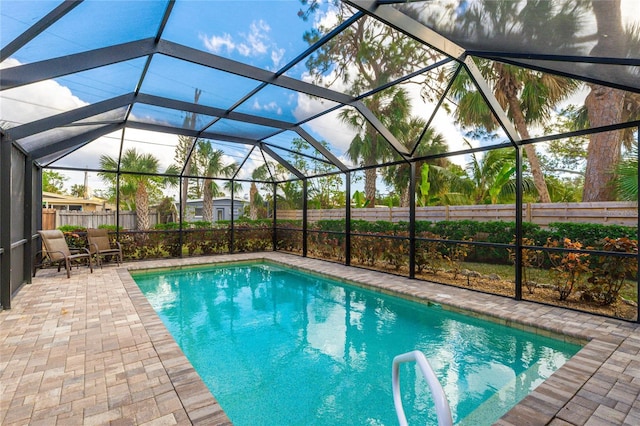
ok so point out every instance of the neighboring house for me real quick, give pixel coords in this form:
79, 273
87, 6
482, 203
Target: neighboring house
52, 200
221, 209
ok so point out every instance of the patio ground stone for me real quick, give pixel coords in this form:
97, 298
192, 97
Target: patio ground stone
90, 350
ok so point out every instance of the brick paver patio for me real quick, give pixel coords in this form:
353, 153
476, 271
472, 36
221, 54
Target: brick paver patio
90, 350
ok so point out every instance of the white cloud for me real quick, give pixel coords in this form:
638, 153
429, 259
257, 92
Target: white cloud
216, 44
276, 57
35, 101
271, 106
254, 43
256, 39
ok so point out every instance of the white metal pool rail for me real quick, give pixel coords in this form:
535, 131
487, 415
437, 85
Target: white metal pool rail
442, 406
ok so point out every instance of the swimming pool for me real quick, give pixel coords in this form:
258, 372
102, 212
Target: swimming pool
276, 346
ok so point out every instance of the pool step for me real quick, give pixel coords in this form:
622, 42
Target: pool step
484, 414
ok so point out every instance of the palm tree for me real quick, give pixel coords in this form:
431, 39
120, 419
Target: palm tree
184, 155
431, 143
232, 188
626, 175
491, 176
255, 199
140, 184
211, 163
527, 96
368, 147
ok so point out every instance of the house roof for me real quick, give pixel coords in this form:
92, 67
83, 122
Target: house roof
53, 198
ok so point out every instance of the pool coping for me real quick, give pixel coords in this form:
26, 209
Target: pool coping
575, 393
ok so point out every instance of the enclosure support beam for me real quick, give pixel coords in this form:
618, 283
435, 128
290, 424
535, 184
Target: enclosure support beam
182, 180
638, 239
231, 241
274, 236
5, 221
68, 117
118, 206
412, 221
518, 240
28, 218
347, 225
305, 206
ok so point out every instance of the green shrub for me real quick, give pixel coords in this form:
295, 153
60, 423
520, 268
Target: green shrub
590, 234
111, 228
169, 226
72, 228
608, 273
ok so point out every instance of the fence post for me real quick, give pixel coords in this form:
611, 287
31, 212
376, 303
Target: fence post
518, 242
412, 221
274, 228
304, 217
347, 216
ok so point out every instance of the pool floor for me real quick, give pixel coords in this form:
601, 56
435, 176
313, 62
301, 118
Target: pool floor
91, 350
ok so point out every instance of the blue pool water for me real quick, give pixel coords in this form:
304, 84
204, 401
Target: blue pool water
276, 346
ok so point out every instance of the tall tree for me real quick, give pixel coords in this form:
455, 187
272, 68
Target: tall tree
368, 147
53, 181
255, 199
211, 163
398, 176
77, 190
606, 105
529, 97
324, 192
184, 153
363, 57
141, 184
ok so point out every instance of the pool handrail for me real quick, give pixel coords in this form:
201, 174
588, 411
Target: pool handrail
442, 405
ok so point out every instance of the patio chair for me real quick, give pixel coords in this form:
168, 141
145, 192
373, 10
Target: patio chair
101, 247
57, 252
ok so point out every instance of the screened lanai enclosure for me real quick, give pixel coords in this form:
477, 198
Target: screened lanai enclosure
489, 144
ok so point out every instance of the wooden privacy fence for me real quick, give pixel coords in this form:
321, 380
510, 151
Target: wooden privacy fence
52, 219
605, 213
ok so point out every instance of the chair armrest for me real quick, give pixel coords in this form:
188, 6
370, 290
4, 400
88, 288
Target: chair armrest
93, 248
80, 250
118, 245
48, 253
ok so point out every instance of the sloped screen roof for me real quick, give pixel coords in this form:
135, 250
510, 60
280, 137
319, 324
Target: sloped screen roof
85, 79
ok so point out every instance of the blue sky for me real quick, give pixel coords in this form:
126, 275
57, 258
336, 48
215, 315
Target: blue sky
265, 34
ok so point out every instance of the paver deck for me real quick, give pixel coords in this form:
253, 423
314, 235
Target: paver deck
90, 350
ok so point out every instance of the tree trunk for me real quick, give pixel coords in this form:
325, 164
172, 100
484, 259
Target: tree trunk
207, 201
370, 176
185, 190
604, 105
530, 150
142, 207
253, 210
404, 200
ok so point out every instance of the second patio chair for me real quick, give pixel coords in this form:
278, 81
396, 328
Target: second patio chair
101, 247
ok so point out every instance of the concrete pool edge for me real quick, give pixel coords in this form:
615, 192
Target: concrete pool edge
567, 396
198, 402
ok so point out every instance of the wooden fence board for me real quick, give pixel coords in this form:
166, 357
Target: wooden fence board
606, 213
619, 213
